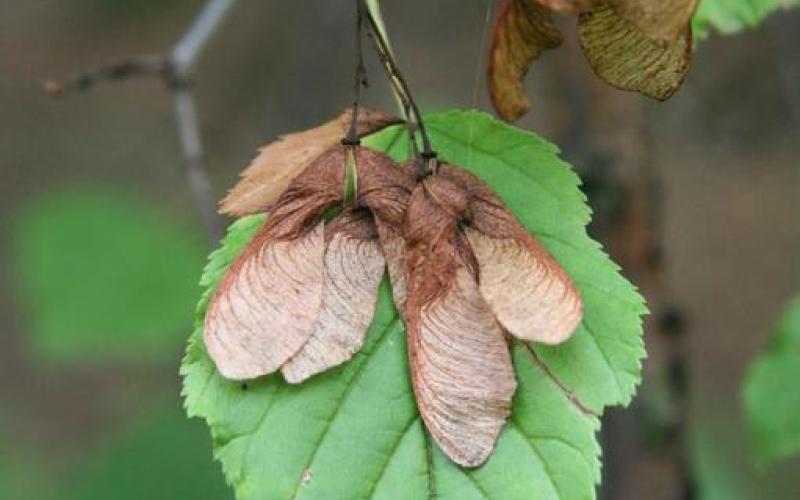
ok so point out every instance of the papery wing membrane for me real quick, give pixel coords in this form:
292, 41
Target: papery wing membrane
531, 295
461, 371
354, 266
262, 312
266, 304
529, 292
459, 359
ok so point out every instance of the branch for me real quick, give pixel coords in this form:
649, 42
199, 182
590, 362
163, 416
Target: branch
188, 48
175, 68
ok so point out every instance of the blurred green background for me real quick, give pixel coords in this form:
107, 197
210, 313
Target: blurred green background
102, 249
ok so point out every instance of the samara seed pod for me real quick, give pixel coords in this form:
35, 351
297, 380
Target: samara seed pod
301, 295
474, 274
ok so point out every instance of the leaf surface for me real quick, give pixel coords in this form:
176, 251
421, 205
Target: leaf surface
354, 431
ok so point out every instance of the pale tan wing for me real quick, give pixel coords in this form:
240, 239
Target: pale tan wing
461, 371
523, 30
262, 312
270, 173
353, 269
530, 294
626, 58
458, 356
660, 20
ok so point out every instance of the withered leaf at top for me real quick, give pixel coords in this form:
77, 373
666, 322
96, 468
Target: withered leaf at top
523, 29
529, 292
660, 20
626, 58
270, 173
263, 310
353, 269
459, 358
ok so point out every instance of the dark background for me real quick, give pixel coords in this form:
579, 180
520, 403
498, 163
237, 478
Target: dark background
101, 246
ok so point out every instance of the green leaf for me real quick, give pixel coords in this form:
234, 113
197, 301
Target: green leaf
771, 399
354, 431
104, 276
732, 16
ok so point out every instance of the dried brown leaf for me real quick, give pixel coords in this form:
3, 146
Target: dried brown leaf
263, 310
354, 266
459, 359
660, 20
523, 29
271, 172
626, 58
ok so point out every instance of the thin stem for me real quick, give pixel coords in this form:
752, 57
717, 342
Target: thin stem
398, 81
374, 7
359, 77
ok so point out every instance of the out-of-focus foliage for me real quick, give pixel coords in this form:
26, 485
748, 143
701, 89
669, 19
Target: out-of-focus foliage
771, 395
21, 474
716, 478
104, 276
731, 16
161, 458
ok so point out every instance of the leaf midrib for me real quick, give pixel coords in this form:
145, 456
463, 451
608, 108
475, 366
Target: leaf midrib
352, 383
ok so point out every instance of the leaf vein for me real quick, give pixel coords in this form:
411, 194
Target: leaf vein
389, 457
348, 390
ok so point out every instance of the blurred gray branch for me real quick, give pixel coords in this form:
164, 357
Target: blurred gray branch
175, 67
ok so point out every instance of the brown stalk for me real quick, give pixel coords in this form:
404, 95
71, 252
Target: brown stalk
397, 79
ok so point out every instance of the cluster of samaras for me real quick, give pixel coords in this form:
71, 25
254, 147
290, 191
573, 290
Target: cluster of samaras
464, 275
